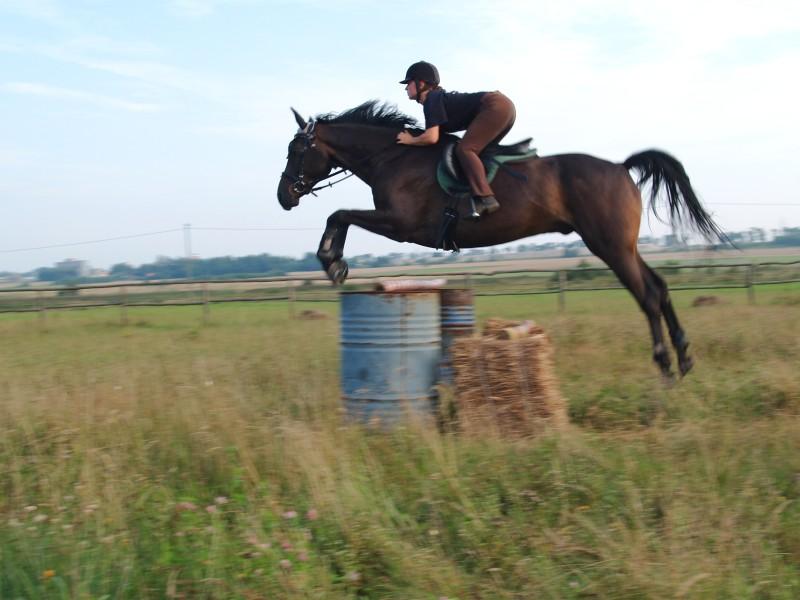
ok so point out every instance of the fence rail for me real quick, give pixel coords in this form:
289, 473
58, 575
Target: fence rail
486, 282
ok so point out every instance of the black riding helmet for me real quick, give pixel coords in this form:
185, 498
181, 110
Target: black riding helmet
422, 71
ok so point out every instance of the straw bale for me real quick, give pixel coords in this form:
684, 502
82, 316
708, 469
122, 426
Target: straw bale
507, 386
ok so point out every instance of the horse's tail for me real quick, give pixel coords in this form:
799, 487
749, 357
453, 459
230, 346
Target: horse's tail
684, 205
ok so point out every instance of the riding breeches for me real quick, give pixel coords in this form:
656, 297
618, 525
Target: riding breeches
493, 121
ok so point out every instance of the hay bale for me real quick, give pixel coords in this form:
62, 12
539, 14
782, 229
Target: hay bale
494, 325
507, 386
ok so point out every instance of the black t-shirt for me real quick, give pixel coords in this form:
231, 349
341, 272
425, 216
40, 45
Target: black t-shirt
452, 111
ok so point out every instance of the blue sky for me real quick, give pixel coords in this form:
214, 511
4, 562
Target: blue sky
118, 119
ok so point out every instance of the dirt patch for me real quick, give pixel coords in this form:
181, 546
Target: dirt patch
706, 301
312, 315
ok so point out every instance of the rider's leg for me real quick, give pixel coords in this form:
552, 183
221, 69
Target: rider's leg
490, 125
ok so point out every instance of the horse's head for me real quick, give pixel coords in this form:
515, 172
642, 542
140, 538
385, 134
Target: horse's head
306, 164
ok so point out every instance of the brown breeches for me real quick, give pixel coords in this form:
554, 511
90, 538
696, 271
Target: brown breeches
493, 121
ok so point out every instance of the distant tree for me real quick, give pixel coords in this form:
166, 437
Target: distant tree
55, 275
790, 236
310, 262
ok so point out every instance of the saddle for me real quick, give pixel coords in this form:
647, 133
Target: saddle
451, 178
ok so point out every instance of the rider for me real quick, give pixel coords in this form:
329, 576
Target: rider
485, 118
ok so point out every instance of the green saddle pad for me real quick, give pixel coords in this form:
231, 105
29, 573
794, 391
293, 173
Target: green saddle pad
457, 187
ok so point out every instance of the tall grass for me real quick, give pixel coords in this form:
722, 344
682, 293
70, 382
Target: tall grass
168, 459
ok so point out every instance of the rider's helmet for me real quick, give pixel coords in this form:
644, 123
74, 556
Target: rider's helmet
422, 71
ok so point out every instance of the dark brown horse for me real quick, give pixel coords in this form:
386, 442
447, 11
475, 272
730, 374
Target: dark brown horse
561, 193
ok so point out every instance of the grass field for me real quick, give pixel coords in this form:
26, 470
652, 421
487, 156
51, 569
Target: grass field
172, 459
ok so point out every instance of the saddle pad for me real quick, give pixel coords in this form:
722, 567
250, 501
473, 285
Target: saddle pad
460, 188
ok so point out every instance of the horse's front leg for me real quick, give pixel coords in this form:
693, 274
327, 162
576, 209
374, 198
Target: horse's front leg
331, 249
331, 246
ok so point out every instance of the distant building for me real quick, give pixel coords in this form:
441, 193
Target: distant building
80, 268
11, 278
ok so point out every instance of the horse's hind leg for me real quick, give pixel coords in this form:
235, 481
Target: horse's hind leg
676, 333
609, 225
634, 275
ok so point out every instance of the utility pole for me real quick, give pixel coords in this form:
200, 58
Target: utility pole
187, 248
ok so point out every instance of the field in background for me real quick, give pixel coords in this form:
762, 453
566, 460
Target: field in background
729, 270
167, 458
553, 261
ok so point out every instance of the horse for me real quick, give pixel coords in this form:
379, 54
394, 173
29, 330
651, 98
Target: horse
561, 193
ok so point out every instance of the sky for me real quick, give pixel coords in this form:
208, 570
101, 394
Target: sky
124, 121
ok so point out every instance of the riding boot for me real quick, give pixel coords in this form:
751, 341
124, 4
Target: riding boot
486, 205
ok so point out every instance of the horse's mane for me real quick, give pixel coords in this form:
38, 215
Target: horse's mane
372, 112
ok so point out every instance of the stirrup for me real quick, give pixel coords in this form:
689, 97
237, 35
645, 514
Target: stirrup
474, 215
445, 239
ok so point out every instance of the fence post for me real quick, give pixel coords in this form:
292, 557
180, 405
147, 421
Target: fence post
42, 309
205, 303
292, 297
562, 289
123, 307
751, 290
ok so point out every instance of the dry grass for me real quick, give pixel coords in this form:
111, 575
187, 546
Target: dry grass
168, 459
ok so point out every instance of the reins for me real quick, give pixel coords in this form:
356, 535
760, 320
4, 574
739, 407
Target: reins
332, 183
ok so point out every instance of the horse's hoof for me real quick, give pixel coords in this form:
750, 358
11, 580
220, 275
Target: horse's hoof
686, 365
668, 379
338, 271
661, 358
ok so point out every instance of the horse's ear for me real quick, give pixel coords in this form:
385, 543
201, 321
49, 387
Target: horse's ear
301, 123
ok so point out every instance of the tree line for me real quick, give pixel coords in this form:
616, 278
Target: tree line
267, 265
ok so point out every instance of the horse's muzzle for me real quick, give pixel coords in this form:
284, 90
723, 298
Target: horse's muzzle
288, 205
287, 199
290, 190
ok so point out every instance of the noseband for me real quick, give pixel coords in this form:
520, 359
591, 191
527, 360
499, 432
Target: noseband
299, 185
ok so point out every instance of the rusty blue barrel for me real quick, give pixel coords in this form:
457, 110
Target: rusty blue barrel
457, 320
390, 350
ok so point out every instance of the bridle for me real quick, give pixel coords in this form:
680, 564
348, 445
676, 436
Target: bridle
299, 184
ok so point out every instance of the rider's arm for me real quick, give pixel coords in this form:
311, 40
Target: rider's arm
427, 138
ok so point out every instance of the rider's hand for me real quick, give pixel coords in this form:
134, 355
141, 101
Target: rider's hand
404, 137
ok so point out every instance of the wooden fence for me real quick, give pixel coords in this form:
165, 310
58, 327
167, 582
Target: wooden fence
485, 282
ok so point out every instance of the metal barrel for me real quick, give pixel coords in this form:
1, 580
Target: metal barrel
458, 320
390, 349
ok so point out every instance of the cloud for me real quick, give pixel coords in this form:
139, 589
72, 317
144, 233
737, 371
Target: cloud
15, 157
45, 10
121, 60
239, 103
193, 8
662, 64
203, 8
49, 91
